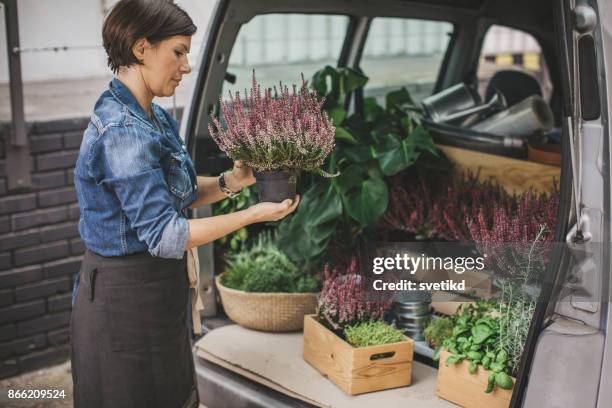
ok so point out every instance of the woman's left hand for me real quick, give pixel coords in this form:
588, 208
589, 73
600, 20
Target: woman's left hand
242, 176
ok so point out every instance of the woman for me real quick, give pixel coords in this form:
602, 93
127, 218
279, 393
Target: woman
134, 180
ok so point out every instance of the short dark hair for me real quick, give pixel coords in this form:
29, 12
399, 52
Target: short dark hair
130, 20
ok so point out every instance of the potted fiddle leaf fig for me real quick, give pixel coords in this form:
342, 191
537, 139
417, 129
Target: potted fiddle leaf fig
277, 133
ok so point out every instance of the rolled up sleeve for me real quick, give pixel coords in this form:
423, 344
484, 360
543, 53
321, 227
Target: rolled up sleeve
133, 170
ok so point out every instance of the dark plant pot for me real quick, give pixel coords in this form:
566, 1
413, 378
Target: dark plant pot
276, 186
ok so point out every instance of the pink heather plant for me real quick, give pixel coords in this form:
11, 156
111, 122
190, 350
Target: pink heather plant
343, 301
276, 132
465, 209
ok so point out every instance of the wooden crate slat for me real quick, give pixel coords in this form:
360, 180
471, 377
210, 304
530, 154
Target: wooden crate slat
513, 174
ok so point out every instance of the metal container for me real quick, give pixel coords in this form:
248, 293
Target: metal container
413, 327
457, 98
418, 308
530, 115
411, 311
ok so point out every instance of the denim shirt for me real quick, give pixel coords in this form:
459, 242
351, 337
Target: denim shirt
133, 179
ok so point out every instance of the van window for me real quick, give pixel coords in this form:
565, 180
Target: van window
280, 47
508, 49
404, 52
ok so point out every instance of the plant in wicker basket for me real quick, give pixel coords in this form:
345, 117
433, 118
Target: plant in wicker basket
263, 267
262, 289
277, 133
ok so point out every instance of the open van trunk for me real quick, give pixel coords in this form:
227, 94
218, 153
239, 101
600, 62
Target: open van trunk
563, 363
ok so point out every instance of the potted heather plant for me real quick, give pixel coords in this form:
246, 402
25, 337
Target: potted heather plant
348, 340
474, 216
277, 133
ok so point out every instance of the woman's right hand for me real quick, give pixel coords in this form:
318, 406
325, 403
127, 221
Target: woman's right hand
267, 211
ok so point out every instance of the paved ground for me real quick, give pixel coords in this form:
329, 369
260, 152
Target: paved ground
57, 377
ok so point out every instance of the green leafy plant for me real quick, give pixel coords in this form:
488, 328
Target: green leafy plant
475, 338
518, 305
370, 145
263, 267
372, 334
235, 241
437, 330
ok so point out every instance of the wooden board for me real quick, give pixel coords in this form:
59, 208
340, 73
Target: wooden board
513, 174
275, 360
357, 370
448, 303
458, 386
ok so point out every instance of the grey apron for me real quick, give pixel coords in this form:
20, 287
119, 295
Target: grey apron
129, 334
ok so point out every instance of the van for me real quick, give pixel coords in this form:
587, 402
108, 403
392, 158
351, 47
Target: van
564, 46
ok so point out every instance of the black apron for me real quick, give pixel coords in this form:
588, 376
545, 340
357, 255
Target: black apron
129, 334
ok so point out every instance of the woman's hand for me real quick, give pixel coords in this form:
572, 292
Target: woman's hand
240, 177
272, 211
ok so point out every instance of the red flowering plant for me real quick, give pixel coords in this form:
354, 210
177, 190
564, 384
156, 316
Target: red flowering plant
276, 129
517, 235
343, 300
510, 228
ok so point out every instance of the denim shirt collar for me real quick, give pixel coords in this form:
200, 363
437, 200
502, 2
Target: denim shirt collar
124, 95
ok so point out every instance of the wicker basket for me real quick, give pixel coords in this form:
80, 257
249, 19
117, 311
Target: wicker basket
274, 312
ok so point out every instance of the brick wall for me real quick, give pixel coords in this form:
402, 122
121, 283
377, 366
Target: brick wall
40, 251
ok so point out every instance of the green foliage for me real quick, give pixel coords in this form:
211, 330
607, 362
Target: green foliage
437, 330
518, 306
370, 145
372, 334
475, 338
235, 241
265, 268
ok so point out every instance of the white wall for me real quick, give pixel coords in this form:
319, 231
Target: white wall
78, 25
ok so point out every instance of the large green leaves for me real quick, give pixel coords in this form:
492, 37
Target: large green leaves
345, 136
305, 235
368, 201
370, 144
395, 154
398, 99
364, 193
334, 83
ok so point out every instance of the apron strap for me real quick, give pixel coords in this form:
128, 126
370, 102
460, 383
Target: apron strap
193, 275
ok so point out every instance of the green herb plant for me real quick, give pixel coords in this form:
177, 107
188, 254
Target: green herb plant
437, 330
475, 338
372, 333
518, 305
263, 267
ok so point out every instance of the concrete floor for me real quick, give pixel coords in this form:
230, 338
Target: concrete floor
57, 377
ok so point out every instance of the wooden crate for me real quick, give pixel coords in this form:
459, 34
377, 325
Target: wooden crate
357, 370
457, 385
513, 174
